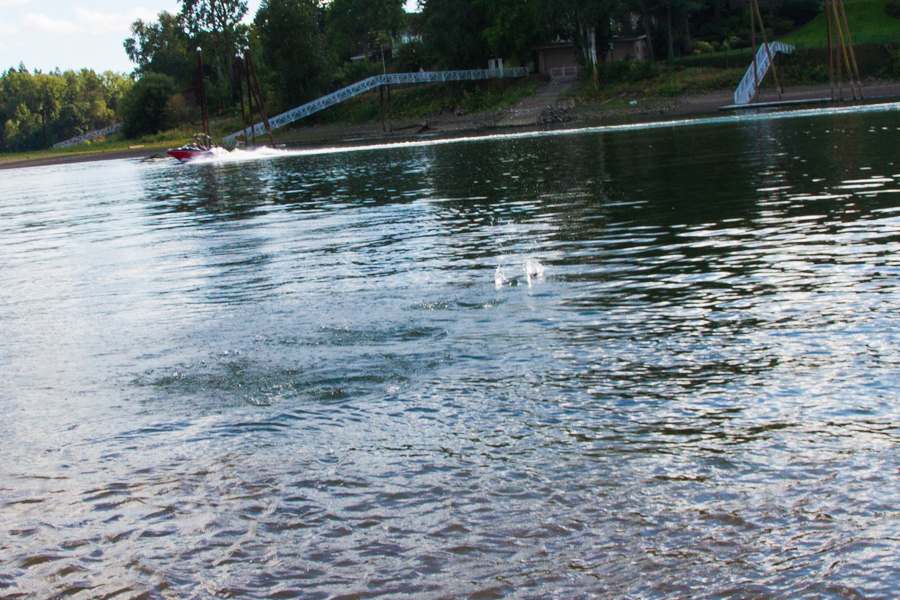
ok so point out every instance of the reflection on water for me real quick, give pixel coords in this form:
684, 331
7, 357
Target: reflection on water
657, 362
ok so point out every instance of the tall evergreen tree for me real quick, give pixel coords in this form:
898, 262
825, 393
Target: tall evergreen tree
293, 49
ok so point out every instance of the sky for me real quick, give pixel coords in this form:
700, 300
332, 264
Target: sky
78, 34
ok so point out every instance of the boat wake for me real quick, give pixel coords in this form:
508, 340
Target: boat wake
239, 155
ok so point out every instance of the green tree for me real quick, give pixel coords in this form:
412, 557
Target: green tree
145, 105
452, 34
353, 25
589, 23
514, 27
220, 19
161, 47
72, 103
293, 49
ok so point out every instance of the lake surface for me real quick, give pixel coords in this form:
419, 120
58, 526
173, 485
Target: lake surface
330, 374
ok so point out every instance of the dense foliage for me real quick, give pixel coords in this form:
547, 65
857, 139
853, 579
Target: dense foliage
290, 34
892, 9
72, 104
145, 106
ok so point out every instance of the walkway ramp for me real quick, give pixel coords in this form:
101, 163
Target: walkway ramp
370, 84
93, 135
544, 107
747, 90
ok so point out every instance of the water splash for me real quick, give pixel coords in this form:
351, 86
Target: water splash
500, 278
534, 271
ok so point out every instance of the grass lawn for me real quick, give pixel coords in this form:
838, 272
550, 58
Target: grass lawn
866, 18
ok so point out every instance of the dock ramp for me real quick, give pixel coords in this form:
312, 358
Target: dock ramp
372, 83
748, 89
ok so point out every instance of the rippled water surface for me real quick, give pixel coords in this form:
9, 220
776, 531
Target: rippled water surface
332, 375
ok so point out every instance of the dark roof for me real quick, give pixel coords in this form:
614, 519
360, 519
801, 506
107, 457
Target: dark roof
555, 45
628, 38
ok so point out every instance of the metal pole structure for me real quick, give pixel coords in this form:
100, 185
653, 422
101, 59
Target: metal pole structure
830, 49
852, 52
250, 107
753, 46
381, 96
837, 50
840, 29
259, 100
44, 125
384, 71
204, 114
768, 50
240, 84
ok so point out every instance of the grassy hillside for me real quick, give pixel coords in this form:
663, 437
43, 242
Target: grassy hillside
868, 24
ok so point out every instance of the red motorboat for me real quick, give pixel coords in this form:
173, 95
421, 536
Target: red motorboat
202, 146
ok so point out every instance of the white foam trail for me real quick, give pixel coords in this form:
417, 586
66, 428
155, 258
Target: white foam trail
266, 153
239, 155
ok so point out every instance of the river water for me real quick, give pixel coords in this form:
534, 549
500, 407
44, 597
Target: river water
640, 362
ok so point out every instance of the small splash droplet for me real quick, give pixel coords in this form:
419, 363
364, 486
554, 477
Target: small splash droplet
499, 278
534, 270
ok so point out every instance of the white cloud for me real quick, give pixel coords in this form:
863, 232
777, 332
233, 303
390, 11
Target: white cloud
8, 29
50, 25
4, 3
99, 23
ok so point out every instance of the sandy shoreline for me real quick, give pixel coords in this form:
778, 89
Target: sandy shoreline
530, 114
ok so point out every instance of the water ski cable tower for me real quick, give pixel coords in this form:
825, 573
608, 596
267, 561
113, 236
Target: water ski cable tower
748, 90
840, 50
253, 92
837, 27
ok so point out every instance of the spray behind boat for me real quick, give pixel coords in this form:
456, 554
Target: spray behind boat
202, 145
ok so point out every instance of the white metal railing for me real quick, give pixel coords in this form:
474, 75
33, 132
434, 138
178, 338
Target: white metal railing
369, 84
88, 136
564, 73
748, 87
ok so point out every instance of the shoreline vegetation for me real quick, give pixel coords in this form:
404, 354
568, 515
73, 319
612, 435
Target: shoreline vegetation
532, 105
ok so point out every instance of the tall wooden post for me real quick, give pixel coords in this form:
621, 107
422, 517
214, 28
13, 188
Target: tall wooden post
44, 125
852, 52
390, 110
768, 49
204, 114
381, 96
830, 49
240, 84
250, 107
840, 30
753, 46
248, 58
